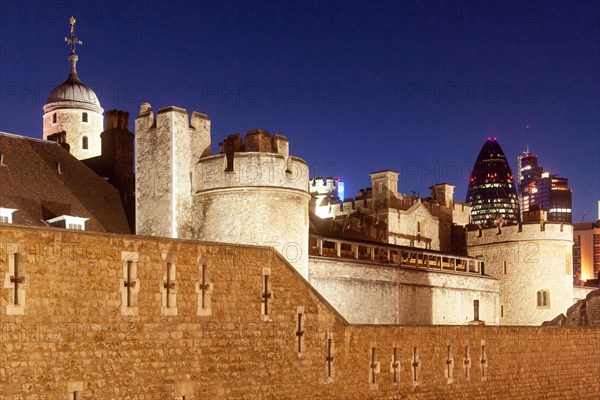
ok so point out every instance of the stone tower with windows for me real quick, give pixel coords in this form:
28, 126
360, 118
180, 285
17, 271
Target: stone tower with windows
72, 113
533, 264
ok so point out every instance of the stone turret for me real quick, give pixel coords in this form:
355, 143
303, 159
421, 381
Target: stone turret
167, 150
254, 193
533, 264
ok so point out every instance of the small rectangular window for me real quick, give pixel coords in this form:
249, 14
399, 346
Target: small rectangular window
84, 117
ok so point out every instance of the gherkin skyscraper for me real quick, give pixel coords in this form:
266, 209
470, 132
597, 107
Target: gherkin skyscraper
492, 192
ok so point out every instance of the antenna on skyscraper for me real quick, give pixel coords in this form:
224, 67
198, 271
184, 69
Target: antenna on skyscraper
527, 138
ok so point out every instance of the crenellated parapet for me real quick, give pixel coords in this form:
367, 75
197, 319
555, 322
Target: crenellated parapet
254, 193
527, 231
251, 169
167, 149
533, 263
407, 220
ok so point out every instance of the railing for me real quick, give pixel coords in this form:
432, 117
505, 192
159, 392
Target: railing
393, 255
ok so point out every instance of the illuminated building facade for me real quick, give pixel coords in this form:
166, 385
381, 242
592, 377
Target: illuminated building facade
529, 171
539, 190
492, 193
586, 251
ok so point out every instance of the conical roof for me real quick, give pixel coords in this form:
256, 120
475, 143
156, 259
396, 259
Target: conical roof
492, 192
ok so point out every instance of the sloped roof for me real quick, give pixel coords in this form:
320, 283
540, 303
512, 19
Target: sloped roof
31, 182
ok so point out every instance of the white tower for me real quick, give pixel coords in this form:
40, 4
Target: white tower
74, 108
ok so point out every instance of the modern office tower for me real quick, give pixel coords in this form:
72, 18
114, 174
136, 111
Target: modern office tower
555, 197
529, 171
539, 190
492, 193
586, 251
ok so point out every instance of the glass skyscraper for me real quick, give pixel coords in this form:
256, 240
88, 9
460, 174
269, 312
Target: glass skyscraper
492, 193
539, 190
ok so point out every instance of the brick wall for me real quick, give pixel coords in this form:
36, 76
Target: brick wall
75, 337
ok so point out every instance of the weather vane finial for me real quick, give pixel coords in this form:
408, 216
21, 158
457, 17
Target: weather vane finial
72, 41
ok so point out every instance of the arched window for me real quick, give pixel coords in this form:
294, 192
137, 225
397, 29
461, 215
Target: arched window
84, 143
84, 117
543, 298
54, 118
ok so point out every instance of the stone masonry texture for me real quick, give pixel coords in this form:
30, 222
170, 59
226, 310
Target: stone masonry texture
72, 336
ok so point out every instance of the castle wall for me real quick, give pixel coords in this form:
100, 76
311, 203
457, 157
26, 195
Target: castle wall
580, 292
370, 293
403, 227
70, 121
262, 200
75, 336
167, 150
538, 258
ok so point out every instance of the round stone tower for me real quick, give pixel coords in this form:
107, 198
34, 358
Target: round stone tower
72, 113
255, 193
533, 264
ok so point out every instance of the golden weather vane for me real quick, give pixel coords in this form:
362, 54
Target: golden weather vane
72, 41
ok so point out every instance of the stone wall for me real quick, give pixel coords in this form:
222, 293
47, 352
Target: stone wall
534, 259
403, 227
76, 335
580, 292
167, 150
70, 120
262, 200
585, 312
403, 295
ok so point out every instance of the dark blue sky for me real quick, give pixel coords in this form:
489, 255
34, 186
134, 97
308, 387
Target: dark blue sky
356, 86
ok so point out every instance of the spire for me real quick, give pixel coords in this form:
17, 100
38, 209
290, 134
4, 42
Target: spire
527, 138
72, 42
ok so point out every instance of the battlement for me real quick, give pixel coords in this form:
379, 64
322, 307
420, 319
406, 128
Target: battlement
255, 141
525, 232
401, 202
323, 186
147, 120
167, 148
250, 169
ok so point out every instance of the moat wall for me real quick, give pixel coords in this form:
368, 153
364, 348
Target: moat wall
76, 335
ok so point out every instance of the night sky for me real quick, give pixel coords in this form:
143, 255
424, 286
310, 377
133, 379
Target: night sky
357, 87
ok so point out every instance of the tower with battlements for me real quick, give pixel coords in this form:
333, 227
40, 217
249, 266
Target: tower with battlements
254, 192
533, 263
167, 148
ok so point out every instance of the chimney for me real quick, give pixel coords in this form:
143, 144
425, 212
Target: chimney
61, 139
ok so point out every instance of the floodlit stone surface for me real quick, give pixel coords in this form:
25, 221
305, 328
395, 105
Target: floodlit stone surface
73, 336
537, 258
